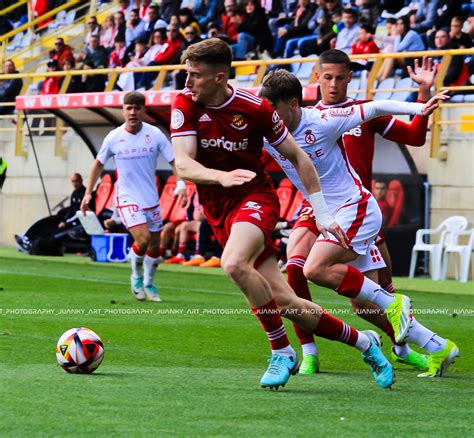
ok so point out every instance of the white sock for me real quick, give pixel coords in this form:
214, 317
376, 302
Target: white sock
424, 337
363, 342
402, 350
309, 348
287, 351
372, 292
149, 267
137, 263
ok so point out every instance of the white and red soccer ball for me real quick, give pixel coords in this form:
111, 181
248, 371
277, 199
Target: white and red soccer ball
80, 351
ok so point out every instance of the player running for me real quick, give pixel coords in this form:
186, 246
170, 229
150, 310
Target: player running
332, 265
217, 134
135, 147
334, 77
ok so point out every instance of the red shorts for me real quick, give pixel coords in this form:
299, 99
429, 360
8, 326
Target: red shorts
261, 209
306, 219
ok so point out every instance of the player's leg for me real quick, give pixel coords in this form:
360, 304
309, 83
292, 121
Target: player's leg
244, 245
166, 237
326, 267
315, 319
179, 242
385, 274
141, 239
299, 246
150, 263
198, 258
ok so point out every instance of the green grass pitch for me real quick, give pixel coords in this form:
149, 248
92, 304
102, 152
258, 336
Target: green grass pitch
190, 366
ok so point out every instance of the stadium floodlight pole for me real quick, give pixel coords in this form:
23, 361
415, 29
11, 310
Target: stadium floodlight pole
37, 162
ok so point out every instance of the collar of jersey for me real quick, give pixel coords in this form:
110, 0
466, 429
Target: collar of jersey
320, 105
229, 100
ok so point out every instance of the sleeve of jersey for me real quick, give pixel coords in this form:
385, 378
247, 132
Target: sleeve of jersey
336, 121
412, 134
166, 149
273, 127
105, 151
183, 122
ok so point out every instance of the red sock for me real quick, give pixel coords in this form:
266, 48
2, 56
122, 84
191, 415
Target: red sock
181, 248
162, 251
137, 250
335, 329
388, 329
389, 287
153, 254
299, 283
269, 317
351, 284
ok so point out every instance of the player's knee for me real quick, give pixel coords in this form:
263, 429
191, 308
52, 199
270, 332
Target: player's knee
235, 269
142, 241
314, 271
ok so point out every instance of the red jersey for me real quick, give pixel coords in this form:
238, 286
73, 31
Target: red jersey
229, 137
360, 141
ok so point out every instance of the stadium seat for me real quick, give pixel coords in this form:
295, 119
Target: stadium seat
468, 8
167, 200
385, 84
457, 98
469, 98
449, 225
453, 246
178, 214
306, 69
352, 88
395, 198
286, 193
294, 207
362, 95
15, 42
59, 20
103, 193
401, 84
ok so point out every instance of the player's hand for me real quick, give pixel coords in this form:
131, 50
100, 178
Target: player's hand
62, 225
85, 203
336, 231
424, 75
236, 177
182, 197
433, 104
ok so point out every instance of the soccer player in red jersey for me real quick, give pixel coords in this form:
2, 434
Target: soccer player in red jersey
358, 215
217, 134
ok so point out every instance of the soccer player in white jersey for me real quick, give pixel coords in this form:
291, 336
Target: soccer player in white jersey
135, 147
329, 264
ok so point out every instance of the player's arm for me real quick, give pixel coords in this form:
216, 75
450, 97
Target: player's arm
188, 168
180, 190
310, 179
414, 133
94, 175
335, 121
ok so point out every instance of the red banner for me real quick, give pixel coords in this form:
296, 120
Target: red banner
114, 99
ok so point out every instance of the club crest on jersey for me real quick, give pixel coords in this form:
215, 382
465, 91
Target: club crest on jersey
238, 122
309, 137
342, 112
275, 117
147, 138
177, 119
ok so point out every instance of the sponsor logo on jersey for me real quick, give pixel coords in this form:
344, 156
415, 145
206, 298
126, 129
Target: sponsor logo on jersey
238, 122
356, 132
342, 112
232, 146
177, 119
205, 118
309, 137
135, 151
275, 117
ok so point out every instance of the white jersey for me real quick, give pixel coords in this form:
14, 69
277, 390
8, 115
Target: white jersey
319, 135
135, 158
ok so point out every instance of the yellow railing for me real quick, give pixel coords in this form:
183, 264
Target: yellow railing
261, 68
13, 7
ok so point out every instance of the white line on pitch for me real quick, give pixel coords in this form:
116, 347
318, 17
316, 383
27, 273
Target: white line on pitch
92, 280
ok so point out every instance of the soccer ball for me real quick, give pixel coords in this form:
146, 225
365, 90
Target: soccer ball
79, 351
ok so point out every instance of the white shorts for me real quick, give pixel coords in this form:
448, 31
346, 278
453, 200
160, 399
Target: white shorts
133, 215
370, 261
361, 221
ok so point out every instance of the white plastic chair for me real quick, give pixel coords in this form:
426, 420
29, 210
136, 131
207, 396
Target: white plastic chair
449, 225
453, 246
385, 84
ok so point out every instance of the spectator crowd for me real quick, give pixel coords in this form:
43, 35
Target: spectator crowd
143, 33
